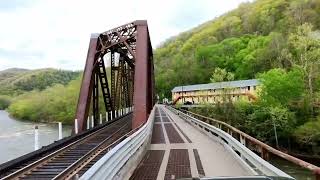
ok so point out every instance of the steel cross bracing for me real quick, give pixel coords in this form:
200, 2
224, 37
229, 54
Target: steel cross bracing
127, 51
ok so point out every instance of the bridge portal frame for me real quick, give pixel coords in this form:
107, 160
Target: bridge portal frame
132, 82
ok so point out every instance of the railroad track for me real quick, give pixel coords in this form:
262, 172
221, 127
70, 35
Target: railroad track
75, 158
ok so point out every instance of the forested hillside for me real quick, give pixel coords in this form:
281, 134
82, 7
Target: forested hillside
253, 38
276, 41
54, 104
8, 73
15, 82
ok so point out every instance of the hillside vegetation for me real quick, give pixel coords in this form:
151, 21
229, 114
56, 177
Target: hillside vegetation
15, 82
250, 39
277, 41
54, 104
8, 73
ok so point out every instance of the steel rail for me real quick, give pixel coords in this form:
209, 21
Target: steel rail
120, 155
27, 169
97, 153
84, 160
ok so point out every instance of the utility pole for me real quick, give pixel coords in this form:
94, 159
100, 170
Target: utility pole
275, 133
182, 95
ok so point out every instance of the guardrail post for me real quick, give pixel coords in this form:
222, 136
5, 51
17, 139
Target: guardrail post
264, 154
36, 138
242, 140
92, 122
111, 116
76, 126
88, 123
317, 174
107, 115
60, 130
100, 118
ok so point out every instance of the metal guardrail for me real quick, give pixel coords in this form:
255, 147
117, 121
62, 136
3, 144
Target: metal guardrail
259, 165
110, 164
262, 147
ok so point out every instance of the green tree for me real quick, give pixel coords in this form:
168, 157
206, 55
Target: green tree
280, 87
306, 49
4, 102
220, 75
263, 119
309, 134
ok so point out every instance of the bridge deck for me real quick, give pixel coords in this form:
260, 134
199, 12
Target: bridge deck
179, 150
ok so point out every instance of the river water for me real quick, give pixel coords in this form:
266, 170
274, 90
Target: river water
17, 137
293, 170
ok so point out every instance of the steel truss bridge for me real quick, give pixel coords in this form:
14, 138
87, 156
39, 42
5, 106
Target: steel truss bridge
120, 133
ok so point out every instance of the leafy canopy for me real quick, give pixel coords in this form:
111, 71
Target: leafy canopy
280, 87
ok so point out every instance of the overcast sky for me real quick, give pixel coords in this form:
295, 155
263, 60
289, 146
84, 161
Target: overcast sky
55, 33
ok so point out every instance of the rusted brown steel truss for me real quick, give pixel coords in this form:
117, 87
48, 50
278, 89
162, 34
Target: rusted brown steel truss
127, 51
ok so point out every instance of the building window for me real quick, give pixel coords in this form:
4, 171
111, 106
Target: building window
248, 88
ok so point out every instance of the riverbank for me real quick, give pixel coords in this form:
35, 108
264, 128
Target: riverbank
17, 136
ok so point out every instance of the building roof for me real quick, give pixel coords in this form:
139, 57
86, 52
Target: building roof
218, 85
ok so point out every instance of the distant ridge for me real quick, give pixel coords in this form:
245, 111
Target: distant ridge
14, 70
19, 80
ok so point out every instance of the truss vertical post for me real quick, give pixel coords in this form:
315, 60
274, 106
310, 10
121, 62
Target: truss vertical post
140, 97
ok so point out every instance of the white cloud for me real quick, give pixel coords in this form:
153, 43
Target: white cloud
56, 33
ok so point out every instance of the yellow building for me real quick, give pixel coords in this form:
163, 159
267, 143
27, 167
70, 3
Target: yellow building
215, 92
